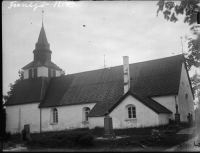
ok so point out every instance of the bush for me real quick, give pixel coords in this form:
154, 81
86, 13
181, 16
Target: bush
6, 136
68, 139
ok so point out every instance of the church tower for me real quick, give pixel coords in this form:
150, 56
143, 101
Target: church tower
41, 66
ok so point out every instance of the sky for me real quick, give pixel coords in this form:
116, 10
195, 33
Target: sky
81, 33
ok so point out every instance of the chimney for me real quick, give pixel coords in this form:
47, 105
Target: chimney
126, 74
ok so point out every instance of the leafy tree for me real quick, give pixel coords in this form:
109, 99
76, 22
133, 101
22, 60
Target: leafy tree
62, 72
189, 8
193, 56
172, 9
195, 79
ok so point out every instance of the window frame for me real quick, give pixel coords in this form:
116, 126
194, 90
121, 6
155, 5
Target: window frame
86, 111
54, 116
35, 70
30, 73
130, 112
49, 72
54, 73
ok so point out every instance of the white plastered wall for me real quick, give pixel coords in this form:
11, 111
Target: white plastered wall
96, 122
164, 118
69, 117
57, 73
144, 115
186, 105
26, 74
42, 71
168, 102
19, 115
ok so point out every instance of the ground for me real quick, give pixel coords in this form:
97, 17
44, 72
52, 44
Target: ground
133, 139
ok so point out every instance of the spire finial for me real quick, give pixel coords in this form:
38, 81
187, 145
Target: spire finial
42, 14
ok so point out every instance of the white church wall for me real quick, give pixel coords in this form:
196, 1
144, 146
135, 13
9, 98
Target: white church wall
57, 73
26, 74
144, 115
168, 102
96, 122
164, 118
69, 117
186, 104
19, 115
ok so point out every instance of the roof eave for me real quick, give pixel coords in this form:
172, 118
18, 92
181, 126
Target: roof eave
64, 105
22, 103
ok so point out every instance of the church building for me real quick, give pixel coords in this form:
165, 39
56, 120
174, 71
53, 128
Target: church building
140, 94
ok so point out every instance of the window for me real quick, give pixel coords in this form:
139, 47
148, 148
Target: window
54, 116
54, 73
86, 111
30, 73
49, 72
186, 96
130, 111
35, 72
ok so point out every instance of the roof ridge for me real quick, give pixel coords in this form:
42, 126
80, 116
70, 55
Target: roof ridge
121, 65
157, 59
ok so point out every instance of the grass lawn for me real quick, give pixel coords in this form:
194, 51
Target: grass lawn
139, 139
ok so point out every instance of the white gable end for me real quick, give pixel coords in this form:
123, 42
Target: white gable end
185, 97
144, 115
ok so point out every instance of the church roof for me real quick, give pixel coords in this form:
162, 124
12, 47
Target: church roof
28, 91
41, 63
106, 86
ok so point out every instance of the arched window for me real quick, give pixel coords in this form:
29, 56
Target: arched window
130, 111
54, 115
186, 96
54, 73
86, 111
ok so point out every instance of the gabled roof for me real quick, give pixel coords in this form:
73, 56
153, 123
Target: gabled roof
28, 91
106, 86
41, 63
99, 108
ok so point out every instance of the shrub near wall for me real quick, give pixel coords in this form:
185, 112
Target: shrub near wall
69, 139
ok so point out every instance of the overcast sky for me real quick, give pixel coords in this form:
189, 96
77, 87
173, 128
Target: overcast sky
113, 29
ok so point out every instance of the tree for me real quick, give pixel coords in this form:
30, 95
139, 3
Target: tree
195, 79
62, 72
189, 8
172, 9
193, 55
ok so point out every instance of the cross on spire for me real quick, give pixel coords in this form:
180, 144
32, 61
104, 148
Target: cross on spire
42, 15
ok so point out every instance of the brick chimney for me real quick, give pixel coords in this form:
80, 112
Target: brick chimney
126, 74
